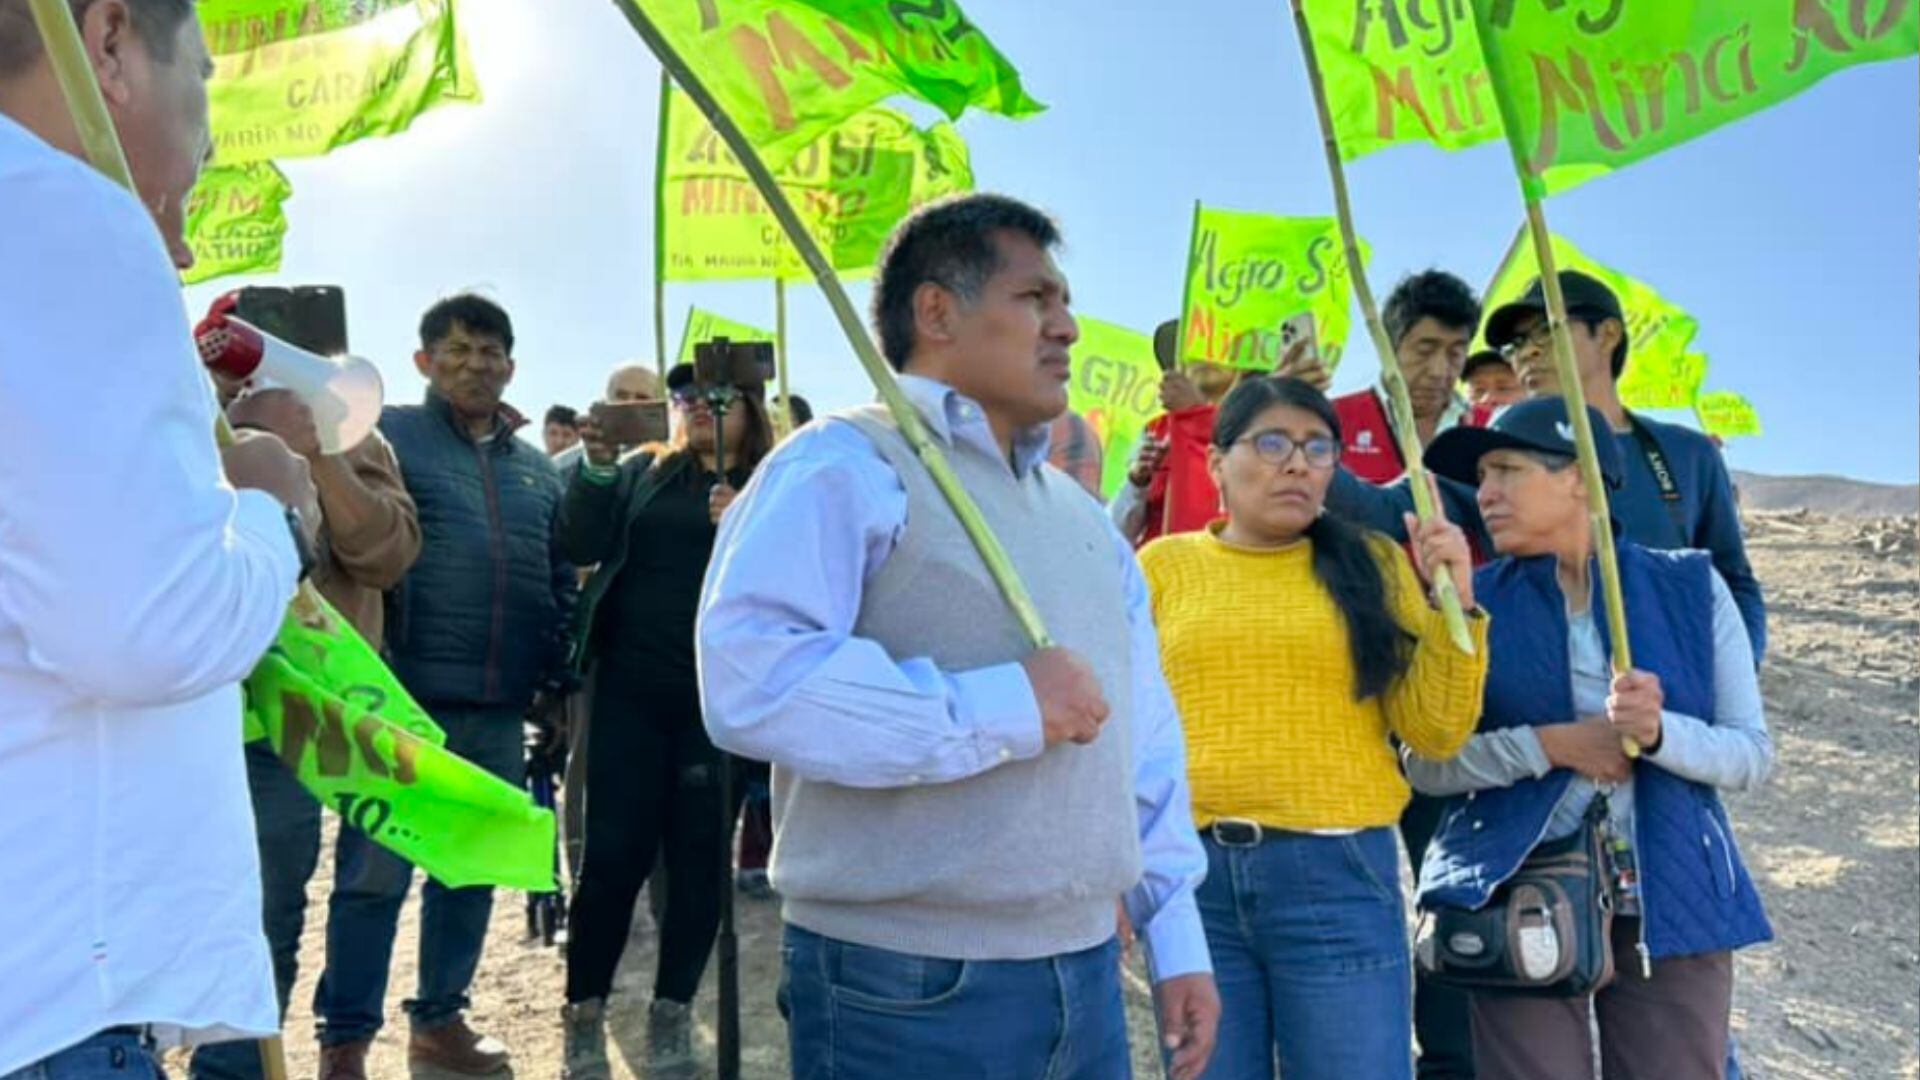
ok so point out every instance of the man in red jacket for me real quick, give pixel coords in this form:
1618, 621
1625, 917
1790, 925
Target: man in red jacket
1169, 490
1430, 317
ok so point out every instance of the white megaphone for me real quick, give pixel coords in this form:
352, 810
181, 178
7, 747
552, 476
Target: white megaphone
344, 393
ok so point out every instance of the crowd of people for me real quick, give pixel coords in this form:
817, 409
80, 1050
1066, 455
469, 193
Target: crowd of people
1250, 706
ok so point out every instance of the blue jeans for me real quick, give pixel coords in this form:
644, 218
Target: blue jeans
859, 1013
1309, 947
287, 820
103, 1057
370, 886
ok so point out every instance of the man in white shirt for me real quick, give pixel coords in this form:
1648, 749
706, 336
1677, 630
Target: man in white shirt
137, 587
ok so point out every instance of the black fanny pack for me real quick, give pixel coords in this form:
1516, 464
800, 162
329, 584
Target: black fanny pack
1546, 932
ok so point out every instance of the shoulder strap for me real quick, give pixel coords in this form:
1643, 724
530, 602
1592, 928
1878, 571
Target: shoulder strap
1662, 474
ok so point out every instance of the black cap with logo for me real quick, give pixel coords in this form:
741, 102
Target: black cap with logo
1540, 425
1583, 293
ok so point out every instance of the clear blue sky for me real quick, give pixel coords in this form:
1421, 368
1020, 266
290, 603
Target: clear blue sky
1793, 236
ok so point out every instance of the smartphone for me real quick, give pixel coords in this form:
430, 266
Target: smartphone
310, 317
1296, 329
631, 423
744, 365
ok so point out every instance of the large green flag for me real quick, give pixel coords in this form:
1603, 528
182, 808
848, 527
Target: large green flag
1661, 373
297, 78
236, 221
1726, 414
1247, 274
1401, 71
1115, 388
703, 325
1589, 88
851, 186
355, 740
789, 71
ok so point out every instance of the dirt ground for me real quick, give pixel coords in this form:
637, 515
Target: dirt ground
1834, 842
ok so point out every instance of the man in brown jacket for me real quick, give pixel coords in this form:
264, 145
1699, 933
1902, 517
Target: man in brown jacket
370, 536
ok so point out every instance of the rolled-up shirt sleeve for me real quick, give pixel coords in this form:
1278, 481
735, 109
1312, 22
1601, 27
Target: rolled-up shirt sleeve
783, 676
134, 573
1162, 906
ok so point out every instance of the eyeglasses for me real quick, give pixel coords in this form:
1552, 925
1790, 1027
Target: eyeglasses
1277, 447
686, 396
1536, 338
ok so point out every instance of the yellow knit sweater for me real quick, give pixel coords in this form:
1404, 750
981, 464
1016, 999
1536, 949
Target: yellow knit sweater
1257, 656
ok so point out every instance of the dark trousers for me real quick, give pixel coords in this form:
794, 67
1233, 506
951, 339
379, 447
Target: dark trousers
1441, 1014
287, 820
371, 886
1673, 1026
653, 788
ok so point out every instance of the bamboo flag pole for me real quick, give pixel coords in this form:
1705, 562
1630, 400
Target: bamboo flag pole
1179, 361
911, 426
1575, 396
660, 232
783, 414
1574, 393
1404, 429
68, 56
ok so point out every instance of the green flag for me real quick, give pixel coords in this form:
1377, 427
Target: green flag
1589, 88
1661, 373
1249, 273
236, 220
356, 741
704, 325
1662, 382
297, 78
1726, 414
851, 186
789, 71
1401, 71
1115, 388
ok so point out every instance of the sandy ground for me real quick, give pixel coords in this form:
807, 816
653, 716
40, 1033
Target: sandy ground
1834, 842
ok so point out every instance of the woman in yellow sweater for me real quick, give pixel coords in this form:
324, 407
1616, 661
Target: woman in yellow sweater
1298, 647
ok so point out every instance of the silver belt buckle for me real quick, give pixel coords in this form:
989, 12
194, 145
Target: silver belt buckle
1239, 837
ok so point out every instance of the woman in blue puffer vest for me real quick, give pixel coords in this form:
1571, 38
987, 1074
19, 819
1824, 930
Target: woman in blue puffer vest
1550, 740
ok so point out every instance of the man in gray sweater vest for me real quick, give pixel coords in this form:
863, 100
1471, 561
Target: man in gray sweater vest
956, 814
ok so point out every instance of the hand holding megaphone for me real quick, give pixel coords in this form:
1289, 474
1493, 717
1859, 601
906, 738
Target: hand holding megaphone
344, 393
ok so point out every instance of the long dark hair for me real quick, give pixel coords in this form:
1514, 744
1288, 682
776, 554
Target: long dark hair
1345, 558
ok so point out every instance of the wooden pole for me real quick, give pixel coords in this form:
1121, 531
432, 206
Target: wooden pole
1405, 432
68, 55
660, 232
998, 564
783, 412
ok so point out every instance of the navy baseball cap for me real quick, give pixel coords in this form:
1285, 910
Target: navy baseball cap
1540, 425
1583, 293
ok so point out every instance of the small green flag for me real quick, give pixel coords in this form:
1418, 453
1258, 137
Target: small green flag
703, 325
237, 220
1589, 88
789, 71
1400, 71
1726, 414
355, 740
297, 78
1115, 388
1247, 274
1661, 373
851, 186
